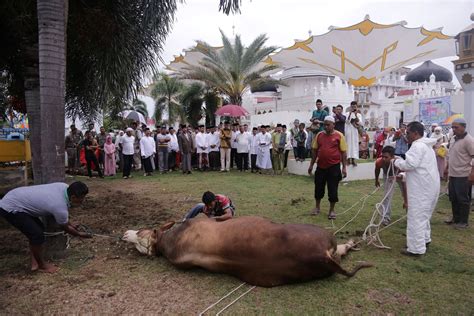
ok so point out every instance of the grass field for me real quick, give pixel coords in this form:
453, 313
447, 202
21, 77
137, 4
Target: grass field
109, 277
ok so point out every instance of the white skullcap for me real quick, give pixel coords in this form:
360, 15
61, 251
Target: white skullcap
329, 118
129, 129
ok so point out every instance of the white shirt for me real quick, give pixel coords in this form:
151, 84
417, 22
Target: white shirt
243, 142
233, 144
173, 143
288, 144
213, 139
147, 146
254, 144
202, 145
127, 144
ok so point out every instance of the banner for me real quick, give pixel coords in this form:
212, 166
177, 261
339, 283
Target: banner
435, 110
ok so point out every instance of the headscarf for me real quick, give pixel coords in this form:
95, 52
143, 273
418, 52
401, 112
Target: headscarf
108, 140
109, 147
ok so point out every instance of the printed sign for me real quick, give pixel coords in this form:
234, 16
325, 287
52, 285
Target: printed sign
435, 110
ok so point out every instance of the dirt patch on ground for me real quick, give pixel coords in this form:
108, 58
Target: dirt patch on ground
388, 299
102, 275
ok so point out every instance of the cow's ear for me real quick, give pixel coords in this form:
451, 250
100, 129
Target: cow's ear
167, 226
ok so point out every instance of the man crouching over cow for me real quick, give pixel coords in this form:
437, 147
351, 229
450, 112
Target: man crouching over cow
252, 249
216, 206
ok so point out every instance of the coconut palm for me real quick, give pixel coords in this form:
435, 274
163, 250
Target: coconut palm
139, 106
166, 91
234, 68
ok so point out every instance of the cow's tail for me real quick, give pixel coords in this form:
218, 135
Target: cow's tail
336, 268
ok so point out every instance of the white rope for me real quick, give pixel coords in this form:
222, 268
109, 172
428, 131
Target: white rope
222, 298
361, 199
374, 227
238, 298
364, 199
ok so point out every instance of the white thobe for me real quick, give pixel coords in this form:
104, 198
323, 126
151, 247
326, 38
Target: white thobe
422, 180
147, 146
352, 136
202, 145
263, 154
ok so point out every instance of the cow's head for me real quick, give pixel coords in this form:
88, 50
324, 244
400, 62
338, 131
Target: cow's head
144, 240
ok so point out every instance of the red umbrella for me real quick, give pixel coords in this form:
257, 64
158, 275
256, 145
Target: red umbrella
232, 110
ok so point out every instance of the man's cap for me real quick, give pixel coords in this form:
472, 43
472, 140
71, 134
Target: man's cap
329, 118
129, 129
297, 121
460, 120
434, 124
201, 126
278, 125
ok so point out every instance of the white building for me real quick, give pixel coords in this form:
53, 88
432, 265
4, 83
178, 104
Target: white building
393, 99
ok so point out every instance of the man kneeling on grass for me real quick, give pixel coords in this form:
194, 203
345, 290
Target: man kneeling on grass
23, 206
215, 206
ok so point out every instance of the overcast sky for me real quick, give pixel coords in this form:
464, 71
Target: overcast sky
286, 20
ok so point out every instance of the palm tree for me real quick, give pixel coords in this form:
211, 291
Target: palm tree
166, 91
234, 68
192, 100
139, 106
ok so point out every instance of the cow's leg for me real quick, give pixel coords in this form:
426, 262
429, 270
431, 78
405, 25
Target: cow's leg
343, 249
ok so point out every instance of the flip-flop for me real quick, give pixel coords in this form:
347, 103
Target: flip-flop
331, 216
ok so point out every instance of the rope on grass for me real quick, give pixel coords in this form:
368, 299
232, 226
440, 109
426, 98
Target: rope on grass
221, 299
238, 298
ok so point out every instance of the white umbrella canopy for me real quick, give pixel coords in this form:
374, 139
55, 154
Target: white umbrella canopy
192, 57
364, 52
133, 115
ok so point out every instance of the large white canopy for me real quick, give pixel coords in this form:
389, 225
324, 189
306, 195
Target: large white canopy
363, 52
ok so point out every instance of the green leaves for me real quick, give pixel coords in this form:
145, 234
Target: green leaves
234, 68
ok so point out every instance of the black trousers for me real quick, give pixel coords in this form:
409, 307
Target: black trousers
459, 195
301, 152
253, 161
214, 160
233, 157
127, 165
330, 176
171, 160
30, 226
91, 158
243, 161
285, 162
147, 164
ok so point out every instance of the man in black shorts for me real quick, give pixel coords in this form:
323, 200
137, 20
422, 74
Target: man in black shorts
23, 206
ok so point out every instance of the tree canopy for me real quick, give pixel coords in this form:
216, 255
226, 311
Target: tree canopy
234, 68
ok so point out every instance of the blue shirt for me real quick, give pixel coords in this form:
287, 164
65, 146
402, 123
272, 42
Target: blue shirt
401, 146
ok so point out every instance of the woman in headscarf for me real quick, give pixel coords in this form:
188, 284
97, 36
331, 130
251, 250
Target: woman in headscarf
440, 149
109, 161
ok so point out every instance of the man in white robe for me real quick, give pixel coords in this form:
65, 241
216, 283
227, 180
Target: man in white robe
264, 140
423, 185
202, 148
354, 119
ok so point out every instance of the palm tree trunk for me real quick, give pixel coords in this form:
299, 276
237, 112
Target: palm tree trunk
32, 99
52, 73
52, 16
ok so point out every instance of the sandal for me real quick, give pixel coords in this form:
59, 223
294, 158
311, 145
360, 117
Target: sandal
332, 216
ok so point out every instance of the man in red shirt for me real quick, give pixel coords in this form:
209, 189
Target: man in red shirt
329, 149
215, 206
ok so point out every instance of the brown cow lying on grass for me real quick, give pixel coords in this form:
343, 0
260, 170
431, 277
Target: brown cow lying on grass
253, 249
